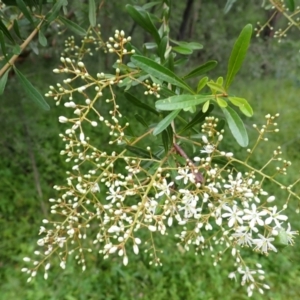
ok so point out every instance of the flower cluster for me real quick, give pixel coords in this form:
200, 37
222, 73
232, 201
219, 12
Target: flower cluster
115, 202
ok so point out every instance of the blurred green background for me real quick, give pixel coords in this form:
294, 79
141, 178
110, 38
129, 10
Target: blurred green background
30, 163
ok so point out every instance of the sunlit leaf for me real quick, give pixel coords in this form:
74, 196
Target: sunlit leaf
182, 50
201, 84
221, 102
236, 126
32, 93
203, 69
164, 123
181, 101
92, 13
238, 54
243, 105
205, 106
153, 68
216, 87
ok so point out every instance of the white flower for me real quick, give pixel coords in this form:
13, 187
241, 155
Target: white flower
233, 215
208, 149
253, 216
164, 188
190, 204
95, 188
114, 195
247, 275
290, 234
185, 175
243, 236
274, 216
62, 119
263, 244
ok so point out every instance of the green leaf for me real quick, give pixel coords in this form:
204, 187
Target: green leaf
138, 151
17, 50
290, 5
53, 14
201, 69
220, 125
205, 106
236, 126
182, 101
92, 13
221, 102
164, 123
141, 120
17, 29
216, 87
3, 81
151, 4
153, 68
281, 240
165, 140
73, 26
140, 104
201, 84
6, 32
243, 105
142, 18
3, 45
161, 50
228, 6
200, 117
42, 39
182, 50
23, 8
191, 46
31, 91
238, 54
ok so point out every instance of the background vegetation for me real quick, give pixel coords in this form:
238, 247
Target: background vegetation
30, 164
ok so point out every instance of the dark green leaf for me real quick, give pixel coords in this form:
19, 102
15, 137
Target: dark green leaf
290, 5
140, 104
53, 14
164, 123
17, 49
23, 8
159, 71
238, 54
142, 18
199, 118
203, 69
31, 91
141, 120
42, 39
181, 101
236, 126
165, 140
138, 151
3, 81
92, 13
3, 45
161, 50
220, 125
73, 26
228, 6
182, 50
6, 32
201, 84
17, 29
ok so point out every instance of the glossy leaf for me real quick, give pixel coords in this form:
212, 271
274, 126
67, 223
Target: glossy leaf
201, 84
140, 104
243, 105
73, 26
238, 54
181, 101
203, 69
199, 118
23, 8
142, 18
153, 68
236, 126
164, 123
205, 106
31, 91
228, 6
92, 13
3, 81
